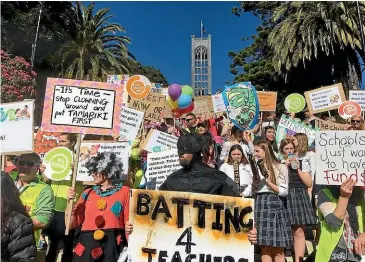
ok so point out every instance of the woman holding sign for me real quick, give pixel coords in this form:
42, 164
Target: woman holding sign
102, 212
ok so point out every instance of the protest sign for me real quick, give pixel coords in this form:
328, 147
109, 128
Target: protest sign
130, 120
76, 106
156, 88
340, 155
348, 109
294, 103
218, 103
90, 149
58, 163
157, 141
200, 107
160, 165
327, 125
138, 87
289, 127
120, 80
358, 96
267, 101
181, 226
45, 141
325, 98
153, 106
17, 129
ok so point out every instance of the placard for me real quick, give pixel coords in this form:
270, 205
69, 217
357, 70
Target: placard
358, 96
44, 142
294, 103
160, 165
200, 107
340, 155
289, 127
89, 149
17, 129
153, 106
325, 98
120, 80
180, 226
138, 87
157, 141
328, 125
75, 106
58, 163
348, 109
130, 120
267, 101
218, 103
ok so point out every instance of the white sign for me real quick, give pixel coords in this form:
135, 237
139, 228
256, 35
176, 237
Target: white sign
161, 165
218, 103
157, 141
91, 149
340, 155
130, 121
358, 96
16, 132
80, 106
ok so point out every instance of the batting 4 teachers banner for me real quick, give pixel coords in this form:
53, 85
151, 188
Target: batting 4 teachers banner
180, 226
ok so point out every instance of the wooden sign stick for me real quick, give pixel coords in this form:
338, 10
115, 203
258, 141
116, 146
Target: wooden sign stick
70, 203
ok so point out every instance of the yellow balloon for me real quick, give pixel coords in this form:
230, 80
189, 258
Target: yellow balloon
172, 104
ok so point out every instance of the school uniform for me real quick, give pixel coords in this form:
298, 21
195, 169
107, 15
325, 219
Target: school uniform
299, 205
271, 216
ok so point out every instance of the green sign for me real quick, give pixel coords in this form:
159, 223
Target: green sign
294, 103
58, 163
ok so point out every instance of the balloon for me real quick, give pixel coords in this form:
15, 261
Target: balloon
174, 91
184, 101
172, 104
187, 90
176, 113
188, 109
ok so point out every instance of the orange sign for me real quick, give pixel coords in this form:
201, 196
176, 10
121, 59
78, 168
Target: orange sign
267, 101
348, 109
138, 87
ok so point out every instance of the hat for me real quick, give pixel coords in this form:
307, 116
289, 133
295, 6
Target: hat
106, 163
188, 144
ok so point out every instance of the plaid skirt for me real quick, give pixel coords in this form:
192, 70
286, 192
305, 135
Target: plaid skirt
272, 221
300, 208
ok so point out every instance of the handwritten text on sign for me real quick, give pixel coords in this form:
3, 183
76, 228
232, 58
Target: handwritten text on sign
340, 155
161, 165
153, 106
159, 141
130, 120
180, 226
358, 96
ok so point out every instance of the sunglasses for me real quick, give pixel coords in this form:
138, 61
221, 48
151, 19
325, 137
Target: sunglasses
27, 163
356, 121
189, 119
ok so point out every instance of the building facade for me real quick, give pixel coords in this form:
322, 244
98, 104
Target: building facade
201, 65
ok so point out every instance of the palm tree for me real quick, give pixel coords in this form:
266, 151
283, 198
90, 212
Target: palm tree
94, 50
307, 30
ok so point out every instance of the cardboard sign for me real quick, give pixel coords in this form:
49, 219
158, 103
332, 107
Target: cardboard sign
328, 125
358, 96
130, 120
90, 149
58, 163
120, 80
153, 106
157, 141
289, 127
325, 98
17, 129
218, 103
75, 106
200, 107
160, 165
340, 155
267, 101
180, 226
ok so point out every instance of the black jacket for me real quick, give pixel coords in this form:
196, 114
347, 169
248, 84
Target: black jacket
200, 178
17, 240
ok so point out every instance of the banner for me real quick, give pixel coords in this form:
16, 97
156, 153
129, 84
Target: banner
130, 120
160, 165
157, 141
218, 103
325, 98
89, 149
267, 101
340, 155
358, 96
289, 127
180, 226
153, 106
328, 125
17, 129
76, 106
120, 80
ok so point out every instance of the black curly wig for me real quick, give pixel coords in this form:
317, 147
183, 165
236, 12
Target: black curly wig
107, 164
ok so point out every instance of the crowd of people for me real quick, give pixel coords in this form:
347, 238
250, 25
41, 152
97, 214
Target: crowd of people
216, 158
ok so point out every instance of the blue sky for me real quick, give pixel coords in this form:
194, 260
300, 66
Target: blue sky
161, 34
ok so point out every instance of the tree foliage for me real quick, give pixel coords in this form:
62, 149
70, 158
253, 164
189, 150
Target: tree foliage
153, 74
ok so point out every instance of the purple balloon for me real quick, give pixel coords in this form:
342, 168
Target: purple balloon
174, 91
